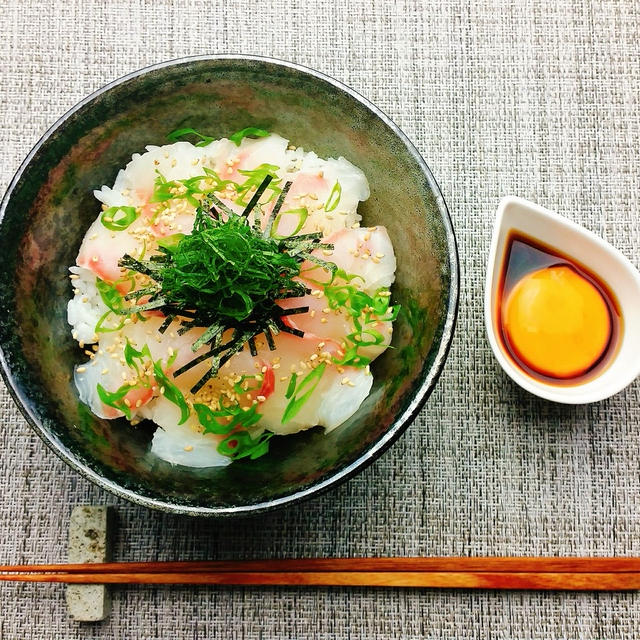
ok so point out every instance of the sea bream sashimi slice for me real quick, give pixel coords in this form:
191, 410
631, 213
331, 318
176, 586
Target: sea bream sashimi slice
323, 322
183, 444
365, 252
108, 367
338, 391
102, 247
324, 196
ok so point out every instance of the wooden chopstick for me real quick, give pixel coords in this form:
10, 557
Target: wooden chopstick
584, 574
442, 564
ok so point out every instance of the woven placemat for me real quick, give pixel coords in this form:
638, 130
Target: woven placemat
535, 98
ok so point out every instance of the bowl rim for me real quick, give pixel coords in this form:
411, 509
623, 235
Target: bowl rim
401, 422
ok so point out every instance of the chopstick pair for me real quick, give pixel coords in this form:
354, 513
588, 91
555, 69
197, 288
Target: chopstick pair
566, 574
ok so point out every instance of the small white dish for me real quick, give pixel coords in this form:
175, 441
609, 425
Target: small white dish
516, 215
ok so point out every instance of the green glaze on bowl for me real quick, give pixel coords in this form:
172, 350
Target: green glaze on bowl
49, 205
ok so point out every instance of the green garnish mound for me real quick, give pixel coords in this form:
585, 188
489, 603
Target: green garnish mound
227, 271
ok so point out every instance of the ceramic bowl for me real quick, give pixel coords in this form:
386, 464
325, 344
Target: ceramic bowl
587, 249
49, 205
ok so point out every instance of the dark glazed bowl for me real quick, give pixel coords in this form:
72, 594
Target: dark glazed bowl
49, 205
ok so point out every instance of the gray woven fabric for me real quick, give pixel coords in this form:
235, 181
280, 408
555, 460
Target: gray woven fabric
533, 98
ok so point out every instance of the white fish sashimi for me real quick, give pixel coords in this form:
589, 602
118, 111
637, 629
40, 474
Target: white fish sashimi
86, 307
345, 386
365, 252
183, 444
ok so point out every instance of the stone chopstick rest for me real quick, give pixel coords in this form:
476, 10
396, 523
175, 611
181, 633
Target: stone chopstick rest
90, 540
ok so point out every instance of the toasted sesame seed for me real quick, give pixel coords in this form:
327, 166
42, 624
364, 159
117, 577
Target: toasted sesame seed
260, 398
104, 372
313, 356
375, 260
312, 313
275, 366
367, 236
138, 404
283, 378
340, 370
379, 255
188, 448
81, 369
162, 390
345, 381
323, 320
351, 384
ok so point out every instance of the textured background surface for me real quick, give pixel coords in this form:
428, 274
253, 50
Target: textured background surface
524, 98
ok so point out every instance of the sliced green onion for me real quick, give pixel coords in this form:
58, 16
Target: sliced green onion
209, 421
120, 223
334, 198
302, 214
115, 399
308, 385
110, 295
247, 132
176, 135
255, 178
241, 445
171, 392
170, 243
131, 354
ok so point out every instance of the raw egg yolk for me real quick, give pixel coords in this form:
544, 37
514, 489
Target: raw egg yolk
557, 322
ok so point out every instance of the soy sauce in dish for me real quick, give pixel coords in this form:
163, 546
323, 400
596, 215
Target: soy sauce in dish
557, 320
